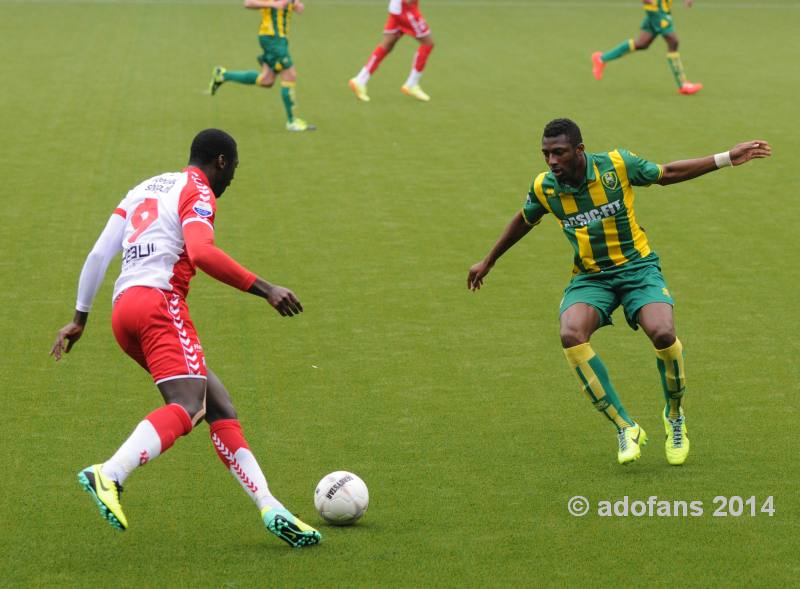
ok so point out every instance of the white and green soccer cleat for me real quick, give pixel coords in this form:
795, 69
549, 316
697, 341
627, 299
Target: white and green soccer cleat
415, 92
105, 492
217, 79
631, 441
677, 442
289, 527
298, 125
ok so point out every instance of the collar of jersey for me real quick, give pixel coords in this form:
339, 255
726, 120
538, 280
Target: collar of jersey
590, 177
199, 172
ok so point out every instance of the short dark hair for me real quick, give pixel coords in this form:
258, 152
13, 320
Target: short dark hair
210, 143
566, 127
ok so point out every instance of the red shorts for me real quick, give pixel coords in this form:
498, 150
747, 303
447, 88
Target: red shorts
410, 22
153, 327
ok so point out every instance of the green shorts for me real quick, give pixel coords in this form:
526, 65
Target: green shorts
276, 53
633, 286
657, 23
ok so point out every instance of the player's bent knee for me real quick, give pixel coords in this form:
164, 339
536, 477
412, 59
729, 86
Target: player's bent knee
572, 337
663, 338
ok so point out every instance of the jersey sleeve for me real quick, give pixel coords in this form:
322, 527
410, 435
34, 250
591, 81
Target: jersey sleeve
534, 209
640, 171
197, 203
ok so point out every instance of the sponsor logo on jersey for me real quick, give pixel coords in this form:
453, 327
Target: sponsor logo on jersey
582, 219
160, 184
203, 208
610, 180
137, 252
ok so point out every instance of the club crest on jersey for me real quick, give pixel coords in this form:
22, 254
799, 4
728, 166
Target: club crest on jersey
610, 180
203, 209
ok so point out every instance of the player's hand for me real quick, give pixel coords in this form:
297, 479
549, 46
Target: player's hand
283, 300
299, 7
688, 3
477, 274
744, 152
71, 332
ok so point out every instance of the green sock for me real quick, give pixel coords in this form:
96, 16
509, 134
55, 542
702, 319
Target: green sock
287, 93
622, 49
593, 376
673, 377
676, 66
246, 77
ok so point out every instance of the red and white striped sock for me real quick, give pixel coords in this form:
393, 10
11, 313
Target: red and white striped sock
154, 435
420, 59
372, 64
232, 449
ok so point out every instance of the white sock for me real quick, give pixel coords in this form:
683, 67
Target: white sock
245, 468
142, 446
363, 76
413, 78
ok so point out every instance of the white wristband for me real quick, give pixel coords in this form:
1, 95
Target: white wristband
723, 159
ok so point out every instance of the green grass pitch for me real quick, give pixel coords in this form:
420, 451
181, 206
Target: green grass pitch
457, 409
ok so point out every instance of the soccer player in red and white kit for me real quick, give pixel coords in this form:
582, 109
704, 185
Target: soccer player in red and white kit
404, 18
164, 228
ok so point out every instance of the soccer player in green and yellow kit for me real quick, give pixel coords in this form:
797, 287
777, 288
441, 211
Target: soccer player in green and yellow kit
276, 16
657, 21
591, 197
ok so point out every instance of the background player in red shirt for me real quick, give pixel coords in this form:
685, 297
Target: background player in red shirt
164, 227
404, 18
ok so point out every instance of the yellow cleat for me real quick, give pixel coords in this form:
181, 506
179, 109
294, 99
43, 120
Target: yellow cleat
289, 528
415, 92
217, 79
631, 441
105, 492
677, 442
360, 90
300, 125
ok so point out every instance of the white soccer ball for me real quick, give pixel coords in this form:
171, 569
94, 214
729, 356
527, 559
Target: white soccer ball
341, 498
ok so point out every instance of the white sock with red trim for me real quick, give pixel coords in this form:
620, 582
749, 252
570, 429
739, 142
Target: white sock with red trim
232, 449
154, 435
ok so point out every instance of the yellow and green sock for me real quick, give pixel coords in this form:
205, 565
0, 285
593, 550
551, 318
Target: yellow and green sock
676, 66
673, 377
596, 384
622, 49
289, 102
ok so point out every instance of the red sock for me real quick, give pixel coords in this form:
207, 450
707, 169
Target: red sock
375, 59
227, 436
422, 57
170, 422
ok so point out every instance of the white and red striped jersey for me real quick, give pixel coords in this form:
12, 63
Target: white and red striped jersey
155, 212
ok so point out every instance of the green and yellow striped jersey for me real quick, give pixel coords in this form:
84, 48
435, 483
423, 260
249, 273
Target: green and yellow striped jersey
663, 6
597, 217
275, 21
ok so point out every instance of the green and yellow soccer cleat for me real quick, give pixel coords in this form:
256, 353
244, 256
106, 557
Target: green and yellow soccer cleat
360, 90
217, 79
677, 442
298, 125
415, 92
631, 441
289, 528
105, 492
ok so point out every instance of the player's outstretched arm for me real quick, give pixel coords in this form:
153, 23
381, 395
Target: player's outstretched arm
256, 4
107, 246
199, 240
514, 231
687, 169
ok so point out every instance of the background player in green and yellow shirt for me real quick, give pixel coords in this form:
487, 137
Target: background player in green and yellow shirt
591, 196
657, 21
276, 16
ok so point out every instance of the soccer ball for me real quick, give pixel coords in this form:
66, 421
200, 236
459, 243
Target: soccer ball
341, 498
